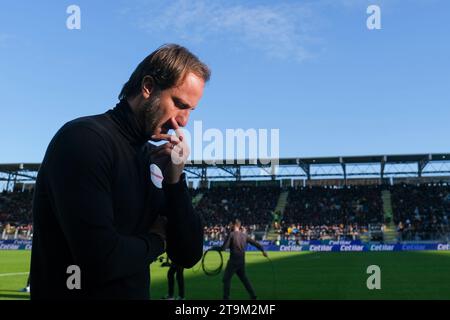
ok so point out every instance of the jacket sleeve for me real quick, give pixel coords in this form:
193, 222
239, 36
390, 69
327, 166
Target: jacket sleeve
79, 172
184, 226
255, 244
226, 243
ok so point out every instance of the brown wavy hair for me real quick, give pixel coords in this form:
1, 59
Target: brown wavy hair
167, 66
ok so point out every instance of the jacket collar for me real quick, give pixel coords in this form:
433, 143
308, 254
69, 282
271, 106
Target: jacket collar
129, 125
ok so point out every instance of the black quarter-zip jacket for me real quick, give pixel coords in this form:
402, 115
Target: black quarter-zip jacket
93, 206
237, 241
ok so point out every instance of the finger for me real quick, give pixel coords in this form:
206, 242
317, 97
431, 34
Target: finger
178, 150
165, 136
178, 156
175, 152
174, 140
179, 133
176, 127
161, 147
174, 123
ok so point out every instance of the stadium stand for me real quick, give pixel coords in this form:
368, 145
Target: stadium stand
252, 205
329, 206
420, 212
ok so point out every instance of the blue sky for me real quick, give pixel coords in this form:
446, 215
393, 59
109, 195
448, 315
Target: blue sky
309, 68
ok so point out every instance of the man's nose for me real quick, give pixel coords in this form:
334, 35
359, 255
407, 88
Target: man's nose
182, 118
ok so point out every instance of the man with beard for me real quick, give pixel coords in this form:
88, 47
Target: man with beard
107, 203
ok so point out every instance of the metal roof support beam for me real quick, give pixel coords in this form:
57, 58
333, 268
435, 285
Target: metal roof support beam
272, 170
193, 172
422, 164
344, 169
228, 170
7, 183
25, 176
204, 174
306, 167
12, 176
383, 165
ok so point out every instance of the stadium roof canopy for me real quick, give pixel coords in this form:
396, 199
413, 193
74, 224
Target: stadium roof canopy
379, 166
375, 166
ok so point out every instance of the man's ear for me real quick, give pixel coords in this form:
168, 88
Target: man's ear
147, 86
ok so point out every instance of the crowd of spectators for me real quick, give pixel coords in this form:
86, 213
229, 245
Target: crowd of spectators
299, 232
327, 206
421, 212
15, 215
251, 205
15, 207
219, 232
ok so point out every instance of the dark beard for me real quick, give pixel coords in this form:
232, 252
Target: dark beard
150, 114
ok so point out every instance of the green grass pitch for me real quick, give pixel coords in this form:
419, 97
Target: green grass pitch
341, 275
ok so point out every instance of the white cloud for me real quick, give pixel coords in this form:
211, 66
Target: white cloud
279, 30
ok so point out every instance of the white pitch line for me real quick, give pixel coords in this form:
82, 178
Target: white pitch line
12, 274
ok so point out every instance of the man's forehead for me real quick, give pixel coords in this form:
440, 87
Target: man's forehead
190, 90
